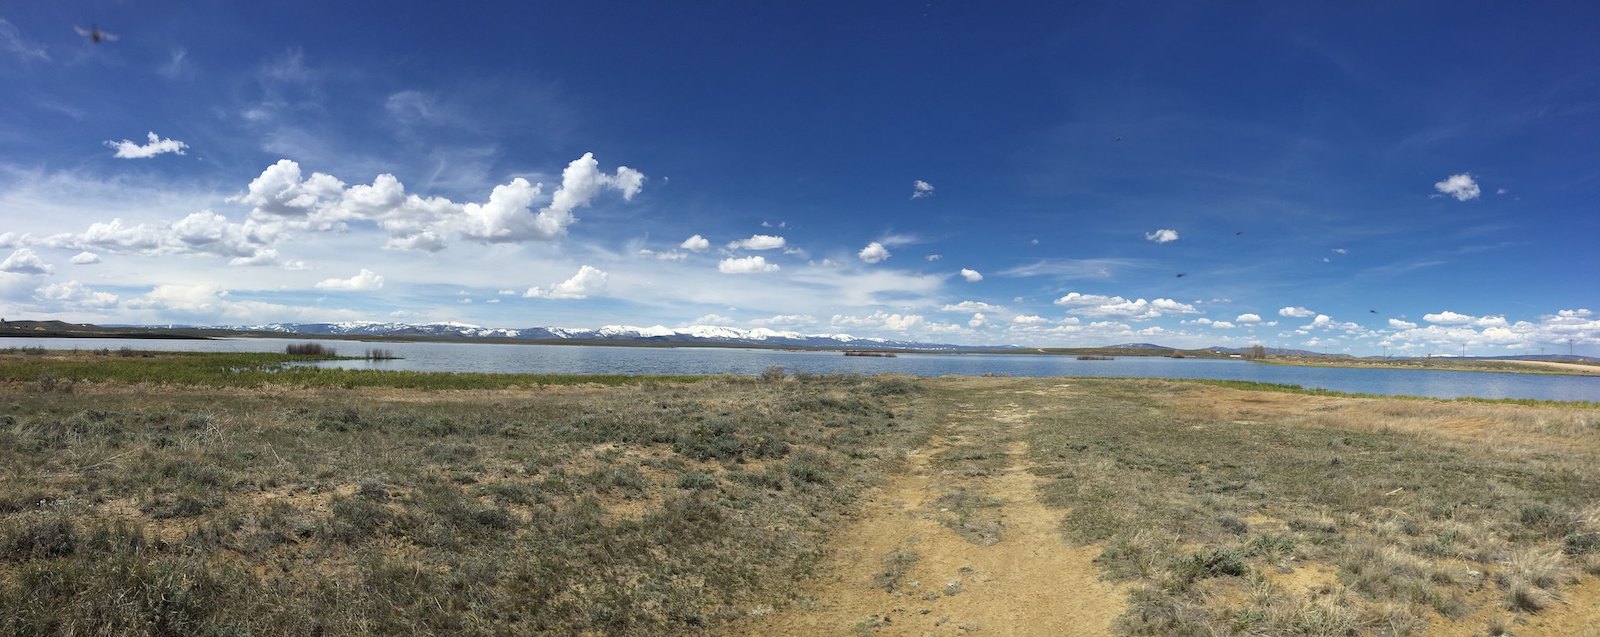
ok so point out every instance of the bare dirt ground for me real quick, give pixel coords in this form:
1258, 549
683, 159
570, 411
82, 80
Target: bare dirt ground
1574, 368
1016, 576
909, 564
1576, 615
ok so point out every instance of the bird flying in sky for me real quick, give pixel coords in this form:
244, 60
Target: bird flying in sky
95, 35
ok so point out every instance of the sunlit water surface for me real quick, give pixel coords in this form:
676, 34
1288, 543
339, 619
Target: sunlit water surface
587, 359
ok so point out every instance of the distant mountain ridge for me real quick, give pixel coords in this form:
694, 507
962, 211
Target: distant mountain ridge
623, 333
708, 335
1270, 351
1274, 351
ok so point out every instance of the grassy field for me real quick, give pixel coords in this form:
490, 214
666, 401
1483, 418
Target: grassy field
656, 507
61, 370
1242, 512
213, 495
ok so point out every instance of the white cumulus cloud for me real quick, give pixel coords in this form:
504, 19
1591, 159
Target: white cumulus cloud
279, 191
1496, 333
204, 232
1449, 318
588, 281
873, 253
920, 189
582, 180
507, 216
1296, 311
186, 299
696, 243
1401, 325
129, 149
757, 242
1163, 235
934, 257
1248, 318
1030, 319
972, 276
971, 306
881, 320
24, 261
85, 258
75, 294
746, 265
1463, 187
364, 281
1115, 306
511, 214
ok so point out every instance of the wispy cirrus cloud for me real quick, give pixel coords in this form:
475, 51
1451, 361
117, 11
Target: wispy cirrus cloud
1073, 268
12, 41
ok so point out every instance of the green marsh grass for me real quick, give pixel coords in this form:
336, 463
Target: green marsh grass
264, 369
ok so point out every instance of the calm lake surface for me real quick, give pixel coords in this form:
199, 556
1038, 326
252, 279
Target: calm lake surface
584, 359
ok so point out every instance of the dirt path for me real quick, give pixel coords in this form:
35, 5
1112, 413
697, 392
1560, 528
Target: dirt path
957, 543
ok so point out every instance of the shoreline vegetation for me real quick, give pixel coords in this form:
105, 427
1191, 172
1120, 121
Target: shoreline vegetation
259, 369
224, 494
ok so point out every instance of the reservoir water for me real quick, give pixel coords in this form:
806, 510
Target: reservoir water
586, 359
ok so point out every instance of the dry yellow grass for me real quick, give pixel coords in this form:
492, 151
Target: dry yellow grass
1041, 506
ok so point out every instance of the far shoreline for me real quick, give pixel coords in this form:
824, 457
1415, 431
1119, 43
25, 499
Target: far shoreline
1504, 366
1501, 366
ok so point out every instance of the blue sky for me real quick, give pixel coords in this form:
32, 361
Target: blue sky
1402, 178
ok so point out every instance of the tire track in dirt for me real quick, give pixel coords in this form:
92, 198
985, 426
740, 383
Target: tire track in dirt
1030, 582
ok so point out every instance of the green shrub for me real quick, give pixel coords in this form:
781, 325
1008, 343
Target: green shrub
714, 441
810, 467
1582, 543
696, 480
1212, 562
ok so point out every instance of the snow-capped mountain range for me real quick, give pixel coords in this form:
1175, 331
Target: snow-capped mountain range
690, 334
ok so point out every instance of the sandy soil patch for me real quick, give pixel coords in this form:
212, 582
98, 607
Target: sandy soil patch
1574, 368
1576, 615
